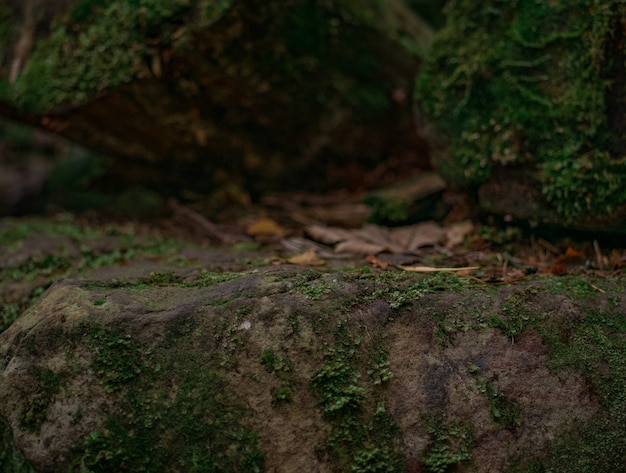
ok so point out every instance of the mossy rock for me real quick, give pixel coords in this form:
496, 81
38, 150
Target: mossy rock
289, 369
526, 103
195, 97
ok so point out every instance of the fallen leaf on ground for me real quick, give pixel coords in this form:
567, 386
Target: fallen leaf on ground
416, 236
376, 262
456, 232
571, 256
328, 235
373, 239
308, 258
360, 247
430, 269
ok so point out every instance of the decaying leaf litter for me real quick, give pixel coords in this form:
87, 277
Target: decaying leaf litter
308, 230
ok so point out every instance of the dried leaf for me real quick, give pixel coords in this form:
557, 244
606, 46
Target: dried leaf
360, 247
571, 256
265, 227
328, 235
308, 258
419, 235
372, 234
372, 239
456, 232
430, 269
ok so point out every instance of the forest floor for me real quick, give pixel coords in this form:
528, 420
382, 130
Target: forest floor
324, 232
295, 250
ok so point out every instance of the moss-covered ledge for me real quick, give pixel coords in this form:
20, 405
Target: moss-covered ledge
285, 368
260, 95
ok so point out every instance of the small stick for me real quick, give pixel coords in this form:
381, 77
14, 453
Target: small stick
596, 247
209, 228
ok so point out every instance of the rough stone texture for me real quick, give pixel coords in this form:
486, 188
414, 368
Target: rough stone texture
168, 329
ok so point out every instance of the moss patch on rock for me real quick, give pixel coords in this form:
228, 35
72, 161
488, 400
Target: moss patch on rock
535, 85
190, 369
97, 46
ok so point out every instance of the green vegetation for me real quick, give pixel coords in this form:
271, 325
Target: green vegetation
211, 278
401, 290
363, 436
504, 411
388, 210
34, 411
102, 45
515, 315
532, 84
76, 250
596, 348
11, 459
176, 413
103, 48
283, 370
450, 444
117, 360
302, 282
9, 314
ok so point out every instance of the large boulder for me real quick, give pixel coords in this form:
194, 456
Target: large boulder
525, 101
286, 369
233, 95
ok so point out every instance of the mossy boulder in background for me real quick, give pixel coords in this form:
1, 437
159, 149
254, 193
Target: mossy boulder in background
151, 367
195, 95
526, 103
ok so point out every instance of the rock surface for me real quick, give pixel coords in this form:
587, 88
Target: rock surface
281, 368
526, 105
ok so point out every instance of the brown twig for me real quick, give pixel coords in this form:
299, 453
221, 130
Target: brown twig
209, 228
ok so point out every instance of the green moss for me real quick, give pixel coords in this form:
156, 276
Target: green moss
513, 83
213, 9
174, 412
388, 210
47, 265
504, 411
102, 45
283, 369
117, 359
593, 346
515, 314
310, 284
363, 436
14, 231
213, 278
11, 459
34, 411
9, 314
102, 48
450, 444
581, 288
401, 290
